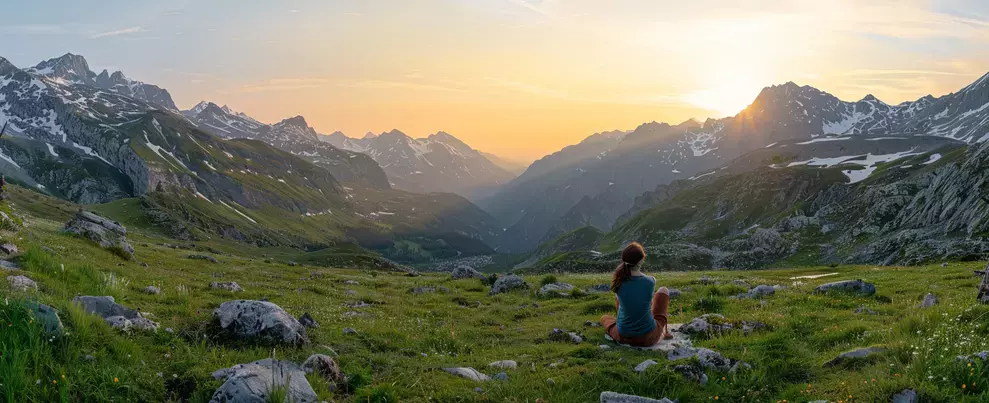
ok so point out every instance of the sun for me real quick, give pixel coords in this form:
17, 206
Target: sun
726, 90
727, 98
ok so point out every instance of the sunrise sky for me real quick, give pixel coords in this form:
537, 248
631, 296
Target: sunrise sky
519, 78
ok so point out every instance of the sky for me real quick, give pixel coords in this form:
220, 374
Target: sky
518, 78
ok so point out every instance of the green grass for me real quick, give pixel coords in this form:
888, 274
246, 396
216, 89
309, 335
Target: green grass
405, 339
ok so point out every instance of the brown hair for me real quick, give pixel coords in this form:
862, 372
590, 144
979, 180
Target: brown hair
632, 255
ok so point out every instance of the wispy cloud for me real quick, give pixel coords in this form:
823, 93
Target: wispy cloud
529, 6
124, 31
384, 84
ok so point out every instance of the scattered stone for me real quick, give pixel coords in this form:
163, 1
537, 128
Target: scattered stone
462, 272
675, 293
478, 390
741, 283
714, 324
906, 396
22, 283
550, 381
982, 355
612, 397
105, 232
862, 309
501, 376
8, 248
599, 288
468, 373
47, 249
556, 290
644, 365
231, 286
143, 323
508, 283
47, 317
942, 265
358, 304
591, 323
89, 358
854, 355
429, 290
929, 301
204, 257
118, 322
326, 367
104, 307
504, 364
851, 286
604, 347
292, 264
565, 336
692, 373
259, 320
760, 291
350, 282
308, 321
705, 280
350, 292
8, 265
349, 330
708, 359
152, 290
253, 382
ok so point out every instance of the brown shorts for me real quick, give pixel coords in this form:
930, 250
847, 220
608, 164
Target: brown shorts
660, 307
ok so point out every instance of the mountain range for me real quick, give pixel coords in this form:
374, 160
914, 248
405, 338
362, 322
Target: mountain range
74, 138
598, 180
438, 163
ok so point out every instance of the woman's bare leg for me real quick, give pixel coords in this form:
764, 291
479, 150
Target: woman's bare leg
660, 310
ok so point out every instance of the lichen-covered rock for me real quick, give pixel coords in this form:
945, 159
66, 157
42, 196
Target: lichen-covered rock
153, 290
47, 317
556, 290
760, 291
308, 321
706, 358
504, 364
644, 365
849, 286
228, 286
114, 314
713, 324
692, 373
929, 301
468, 373
326, 367
8, 248
105, 232
253, 383
462, 272
507, 283
612, 397
565, 336
259, 321
854, 355
21, 283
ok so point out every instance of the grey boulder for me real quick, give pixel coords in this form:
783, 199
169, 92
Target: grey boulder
462, 272
929, 301
47, 317
906, 396
105, 232
849, 286
612, 397
468, 373
326, 367
508, 283
556, 290
854, 355
228, 286
260, 321
21, 283
254, 383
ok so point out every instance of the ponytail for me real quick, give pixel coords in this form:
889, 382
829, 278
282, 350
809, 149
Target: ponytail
622, 273
632, 256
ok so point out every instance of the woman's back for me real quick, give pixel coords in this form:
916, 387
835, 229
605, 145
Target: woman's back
635, 316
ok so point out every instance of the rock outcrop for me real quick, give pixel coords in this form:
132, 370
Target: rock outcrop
254, 383
259, 321
107, 233
508, 283
462, 272
114, 314
849, 286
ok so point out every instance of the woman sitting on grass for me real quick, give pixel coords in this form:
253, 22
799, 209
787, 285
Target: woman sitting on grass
642, 316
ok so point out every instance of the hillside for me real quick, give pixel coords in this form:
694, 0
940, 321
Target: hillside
393, 335
599, 185
80, 143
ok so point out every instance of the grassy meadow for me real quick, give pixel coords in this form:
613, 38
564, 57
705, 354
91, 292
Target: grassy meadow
404, 340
